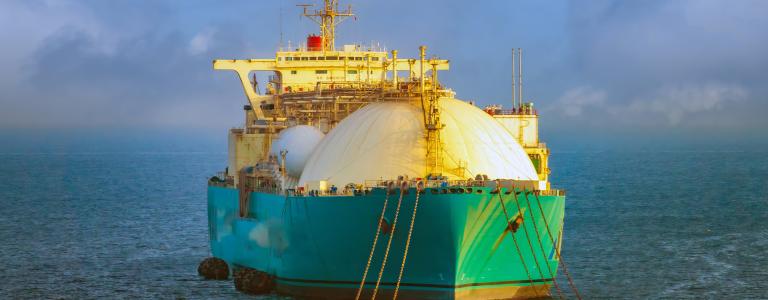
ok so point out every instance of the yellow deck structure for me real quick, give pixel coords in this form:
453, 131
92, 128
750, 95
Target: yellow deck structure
320, 86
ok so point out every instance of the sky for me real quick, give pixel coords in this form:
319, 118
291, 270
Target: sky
653, 70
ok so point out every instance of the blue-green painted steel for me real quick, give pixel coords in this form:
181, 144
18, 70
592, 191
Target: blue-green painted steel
460, 241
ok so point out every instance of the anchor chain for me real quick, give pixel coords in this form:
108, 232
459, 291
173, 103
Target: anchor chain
538, 238
403, 188
419, 188
557, 251
375, 241
527, 237
514, 239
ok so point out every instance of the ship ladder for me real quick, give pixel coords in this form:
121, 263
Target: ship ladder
375, 241
514, 239
419, 189
538, 238
557, 251
403, 189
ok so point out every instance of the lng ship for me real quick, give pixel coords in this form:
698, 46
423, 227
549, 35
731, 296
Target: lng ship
357, 174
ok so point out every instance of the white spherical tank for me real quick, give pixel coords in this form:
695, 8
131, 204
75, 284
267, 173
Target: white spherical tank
386, 140
299, 141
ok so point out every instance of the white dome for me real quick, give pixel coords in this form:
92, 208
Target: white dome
386, 140
299, 141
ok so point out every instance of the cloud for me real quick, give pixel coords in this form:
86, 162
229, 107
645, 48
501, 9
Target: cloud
676, 102
694, 64
574, 101
671, 103
612, 63
200, 43
102, 75
653, 42
25, 25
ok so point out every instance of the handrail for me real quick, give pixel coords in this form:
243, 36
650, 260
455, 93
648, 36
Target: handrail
507, 112
266, 186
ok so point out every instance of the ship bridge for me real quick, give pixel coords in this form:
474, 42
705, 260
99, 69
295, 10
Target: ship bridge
303, 72
305, 84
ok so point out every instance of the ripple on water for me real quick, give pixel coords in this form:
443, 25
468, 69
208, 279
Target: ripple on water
134, 225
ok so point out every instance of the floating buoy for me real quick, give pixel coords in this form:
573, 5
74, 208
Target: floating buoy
254, 282
213, 268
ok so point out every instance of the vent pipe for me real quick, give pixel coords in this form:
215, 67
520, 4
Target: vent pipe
520, 75
394, 68
514, 84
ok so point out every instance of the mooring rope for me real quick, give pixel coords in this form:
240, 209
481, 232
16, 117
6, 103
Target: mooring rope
375, 241
419, 187
514, 239
389, 242
557, 251
527, 236
541, 246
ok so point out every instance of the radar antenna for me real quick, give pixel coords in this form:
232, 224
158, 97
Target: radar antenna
328, 18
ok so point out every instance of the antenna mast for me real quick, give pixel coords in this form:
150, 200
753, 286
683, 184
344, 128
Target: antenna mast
328, 18
520, 75
281, 25
514, 82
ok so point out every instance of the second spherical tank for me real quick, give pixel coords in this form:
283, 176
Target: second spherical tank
299, 141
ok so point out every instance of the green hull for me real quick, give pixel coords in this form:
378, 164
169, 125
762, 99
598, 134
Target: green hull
461, 246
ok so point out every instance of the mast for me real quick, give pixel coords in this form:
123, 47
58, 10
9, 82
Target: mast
514, 83
520, 75
328, 18
430, 103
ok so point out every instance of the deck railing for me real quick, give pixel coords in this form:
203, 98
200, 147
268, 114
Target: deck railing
449, 186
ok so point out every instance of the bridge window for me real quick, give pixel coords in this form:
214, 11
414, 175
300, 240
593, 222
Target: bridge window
321, 58
351, 71
331, 58
313, 58
305, 58
293, 72
375, 59
321, 71
289, 58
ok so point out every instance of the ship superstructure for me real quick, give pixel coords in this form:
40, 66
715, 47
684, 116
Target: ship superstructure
317, 84
338, 136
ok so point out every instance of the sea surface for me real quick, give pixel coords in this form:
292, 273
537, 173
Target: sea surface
639, 225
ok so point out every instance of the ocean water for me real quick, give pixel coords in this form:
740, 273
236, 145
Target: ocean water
639, 225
